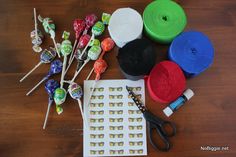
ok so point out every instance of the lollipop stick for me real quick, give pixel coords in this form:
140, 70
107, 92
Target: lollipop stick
63, 71
69, 64
45, 78
47, 113
54, 42
72, 53
78, 71
35, 25
82, 113
35, 67
90, 73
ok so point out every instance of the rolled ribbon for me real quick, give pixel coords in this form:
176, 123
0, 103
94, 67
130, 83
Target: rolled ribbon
136, 59
125, 25
166, 82
164, 20
192, 51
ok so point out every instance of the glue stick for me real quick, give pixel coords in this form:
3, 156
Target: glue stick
169, 110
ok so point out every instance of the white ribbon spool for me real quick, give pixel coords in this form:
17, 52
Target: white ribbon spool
125, 25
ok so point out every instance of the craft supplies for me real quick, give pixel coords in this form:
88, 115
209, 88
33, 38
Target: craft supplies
36, 35
125, 25
76, 93
136, 59
110, 125
50, 87
154, 123
46, 56
174, 106
107, 45
192, 51
166, 82
49, 28
164, 20
56, 67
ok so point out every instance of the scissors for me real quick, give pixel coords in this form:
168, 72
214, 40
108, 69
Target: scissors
155, 123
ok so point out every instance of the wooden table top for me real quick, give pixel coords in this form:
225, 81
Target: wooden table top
207, 120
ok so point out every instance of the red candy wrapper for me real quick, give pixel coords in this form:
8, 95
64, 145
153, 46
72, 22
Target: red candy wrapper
90, 20
83, 41
79, 26
99, 67
107, 44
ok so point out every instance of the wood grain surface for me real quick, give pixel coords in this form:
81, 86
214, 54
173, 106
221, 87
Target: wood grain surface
209, 119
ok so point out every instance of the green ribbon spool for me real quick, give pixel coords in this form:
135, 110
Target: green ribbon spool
164, 20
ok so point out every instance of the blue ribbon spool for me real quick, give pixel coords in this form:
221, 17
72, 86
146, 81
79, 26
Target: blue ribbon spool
192, 51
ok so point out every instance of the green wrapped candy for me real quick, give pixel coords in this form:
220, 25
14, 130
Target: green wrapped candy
98, 28
95, 42
59, 98
66, 46
94, 52
48, 25
106, 18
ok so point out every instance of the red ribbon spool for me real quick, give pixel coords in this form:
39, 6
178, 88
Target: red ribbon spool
166, 82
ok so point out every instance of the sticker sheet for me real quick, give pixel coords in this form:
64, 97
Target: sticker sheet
115, 126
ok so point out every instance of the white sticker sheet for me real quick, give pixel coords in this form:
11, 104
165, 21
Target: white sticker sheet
115, 126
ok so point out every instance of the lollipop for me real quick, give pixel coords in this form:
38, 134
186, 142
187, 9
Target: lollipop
97, 30
36, 35
50, 87
56, 67
46, 57
59, 98
49, 28
79, 26
84, 39
107, 45
76, 93
66, 49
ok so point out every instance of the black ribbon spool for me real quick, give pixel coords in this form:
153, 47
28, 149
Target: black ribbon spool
136, 59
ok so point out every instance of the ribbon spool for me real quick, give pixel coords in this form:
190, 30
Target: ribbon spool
136, 59
125, 25
164, 20
166, 82
192, 51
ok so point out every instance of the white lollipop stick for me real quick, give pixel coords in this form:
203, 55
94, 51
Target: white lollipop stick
35, 67
45, 78
90, 73
82, 113
63, 71
72, 53
35, 25
55, 44
46, 117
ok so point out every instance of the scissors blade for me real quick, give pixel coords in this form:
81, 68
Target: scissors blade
136, 100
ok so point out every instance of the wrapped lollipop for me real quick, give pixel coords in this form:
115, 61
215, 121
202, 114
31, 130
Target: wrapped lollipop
49, 28
36, 35
107, 45
50, 87
76, 93
59, 99
46, 56
79, 26
97, 30
66, 48
85, 38
56, 67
